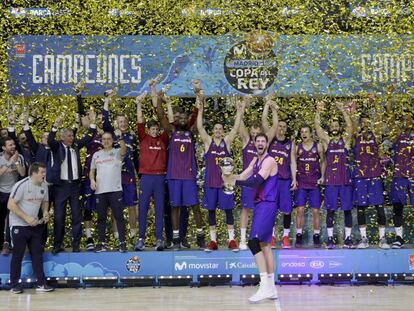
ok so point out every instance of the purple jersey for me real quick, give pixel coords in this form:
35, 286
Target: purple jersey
366, 155
308, 167
91, 148
267, 191
212, 157
280, 150
249, 152
337, 164
404, 156
181, 156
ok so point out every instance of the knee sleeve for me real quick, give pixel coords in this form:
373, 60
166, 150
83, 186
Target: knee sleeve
287, 218
212, 218
348, 219
330, 218
229, 217
361, 215
254, 246
398, 215
381, 215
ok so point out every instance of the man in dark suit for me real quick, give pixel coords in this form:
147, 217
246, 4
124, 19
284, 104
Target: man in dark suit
65, 175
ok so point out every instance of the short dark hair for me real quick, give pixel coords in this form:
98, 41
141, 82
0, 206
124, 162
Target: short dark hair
4, 140
305, 126
262, 135
34, 168
256, 124
152, 123
178, 109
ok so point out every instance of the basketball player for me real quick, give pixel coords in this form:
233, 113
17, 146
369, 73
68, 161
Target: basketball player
309, 175
402, 187
283, 150
337, 180
262, 176
217, 147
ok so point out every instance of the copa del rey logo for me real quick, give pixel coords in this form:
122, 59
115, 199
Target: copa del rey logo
20, 50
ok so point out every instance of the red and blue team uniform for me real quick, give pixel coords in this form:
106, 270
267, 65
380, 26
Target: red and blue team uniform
182, 169
338, 181
402, 185
368, 186
308, 173
247, 194
213, 193
280, 151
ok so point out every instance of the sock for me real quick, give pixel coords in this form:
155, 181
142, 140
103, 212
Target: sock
263, 279
274, 231
347, 232
88, 233
199, 231
271, 279
133, 232
243, 234
213, 235
286, 232
381, 232
231, 234
116, 234
176, 234
363, 231
298, 230
330, 232
399, 231
316, 231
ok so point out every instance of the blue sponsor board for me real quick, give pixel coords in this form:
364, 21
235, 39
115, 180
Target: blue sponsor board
227, 65
218, 262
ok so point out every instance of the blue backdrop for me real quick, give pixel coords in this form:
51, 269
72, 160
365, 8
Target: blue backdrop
291, 65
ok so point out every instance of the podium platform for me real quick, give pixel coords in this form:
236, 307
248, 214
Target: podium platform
195, 262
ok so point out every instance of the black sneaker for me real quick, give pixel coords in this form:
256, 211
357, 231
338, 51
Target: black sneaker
168, 244
6, 249
139, 246
398, 243
298, 243
56, 250
348, 243
122, 247
90, 245
101, 247
176, 244
184, 243
316, 241
16, 290
159, 246
44, 288
201, 242
330, 243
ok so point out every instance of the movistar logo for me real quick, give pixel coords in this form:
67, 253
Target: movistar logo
180, 266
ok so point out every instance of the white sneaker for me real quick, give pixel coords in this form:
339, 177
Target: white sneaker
272, 292
383, 244
243, 246
262, 293
363, 243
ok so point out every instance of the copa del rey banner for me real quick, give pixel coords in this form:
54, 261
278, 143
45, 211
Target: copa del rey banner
227, 65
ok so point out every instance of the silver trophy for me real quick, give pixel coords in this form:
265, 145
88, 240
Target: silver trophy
227, 168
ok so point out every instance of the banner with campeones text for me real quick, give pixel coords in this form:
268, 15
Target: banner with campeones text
256, 64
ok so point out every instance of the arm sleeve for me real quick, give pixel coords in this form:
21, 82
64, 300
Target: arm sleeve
17, 193
106, 123
81, 106
33, 146
253, 181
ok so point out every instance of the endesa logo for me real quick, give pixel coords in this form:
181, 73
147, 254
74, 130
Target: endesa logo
296, 264
317, 264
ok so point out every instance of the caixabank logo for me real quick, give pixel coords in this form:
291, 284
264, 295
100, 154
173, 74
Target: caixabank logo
251, 66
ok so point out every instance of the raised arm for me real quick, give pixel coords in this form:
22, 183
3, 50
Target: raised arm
244, 134
51, 139
201, 130
122, 145
323, 136
348, 123
106, 123
157, 104
265, 115
395, 130
87, 138
240, 106
322, 163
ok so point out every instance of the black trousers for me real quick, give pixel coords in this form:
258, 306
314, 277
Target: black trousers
113, 200
67, 193
4, 218
23, 236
